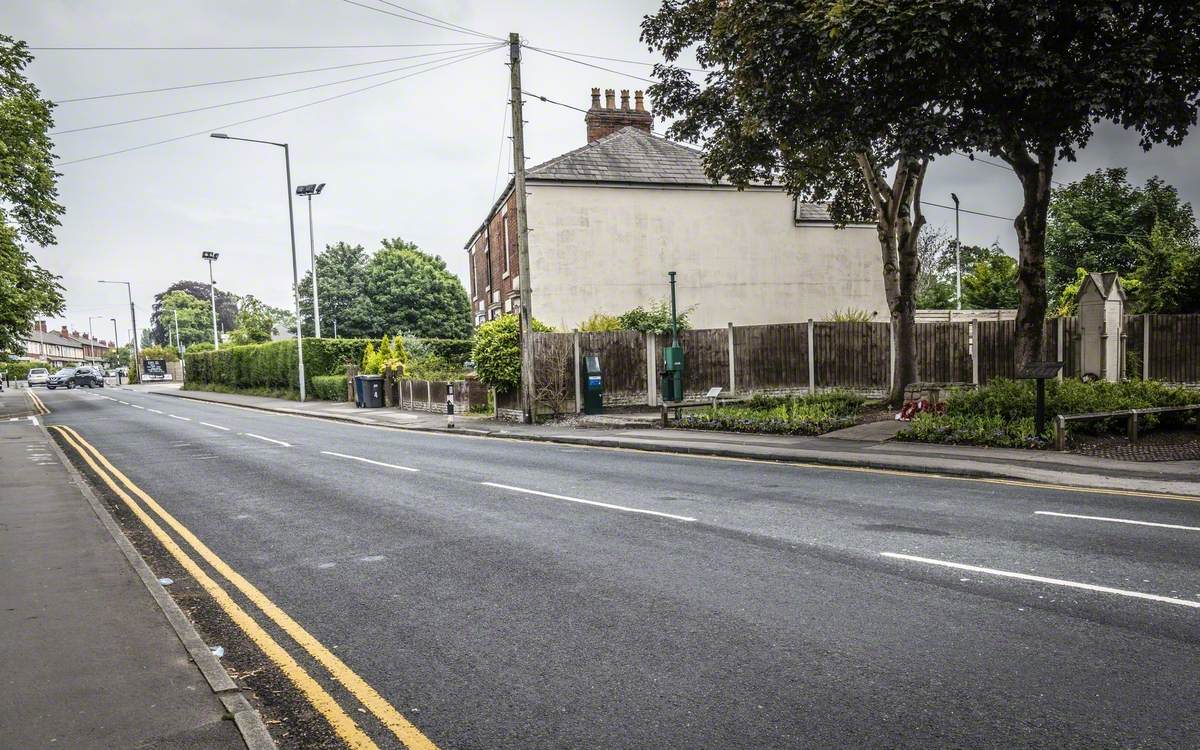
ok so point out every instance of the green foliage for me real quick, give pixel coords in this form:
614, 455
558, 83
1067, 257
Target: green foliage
1000, 414
121, 356
256, 322
169, 353
412, 291
788, 415
936, 279
1102, 222
341, 282
1167, 277
372, 360
196, 323
1068, 299
497, 352
329, 387
991, 284
599, 323
19, 369
992, 431
29, 208
851, 315
199, 346
272, 365
654, 319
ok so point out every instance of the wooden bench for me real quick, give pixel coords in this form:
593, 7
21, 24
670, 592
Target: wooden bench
1060, 422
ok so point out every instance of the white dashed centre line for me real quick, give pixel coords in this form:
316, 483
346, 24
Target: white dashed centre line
137, 407
1043, 579
122, 402
155, 411
269, 440
610, 506
215, 426
1117, 520
185, 419
369, 461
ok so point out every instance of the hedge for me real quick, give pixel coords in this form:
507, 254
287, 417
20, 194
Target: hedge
454, 351
329, 387
19, 369
273, 365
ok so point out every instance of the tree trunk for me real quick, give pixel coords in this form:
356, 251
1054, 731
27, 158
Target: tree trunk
1035, 177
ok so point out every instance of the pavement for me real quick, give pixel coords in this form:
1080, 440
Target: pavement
862, 446
95, 653
515, 593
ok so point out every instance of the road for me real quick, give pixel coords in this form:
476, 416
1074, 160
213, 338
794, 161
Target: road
508, 594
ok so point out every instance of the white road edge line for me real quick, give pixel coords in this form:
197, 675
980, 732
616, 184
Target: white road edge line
156, 411
369, 461
269, 440
625, 508
123, 402
1117, 520
185, 419
137, 407
217, 426
1043, 579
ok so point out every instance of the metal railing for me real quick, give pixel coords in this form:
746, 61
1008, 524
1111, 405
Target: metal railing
1060, 422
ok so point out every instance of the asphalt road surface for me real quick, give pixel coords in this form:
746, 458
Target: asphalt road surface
503, 594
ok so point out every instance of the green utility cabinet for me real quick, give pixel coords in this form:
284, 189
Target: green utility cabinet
592, 380
672, 374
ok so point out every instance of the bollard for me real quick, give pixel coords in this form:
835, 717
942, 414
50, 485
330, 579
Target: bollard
449, 404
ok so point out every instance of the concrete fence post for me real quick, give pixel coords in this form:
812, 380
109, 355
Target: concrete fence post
428, 396
578, 385
973, 328
1062, 329
732, 364
651, 371
812, 362
1146, 346
891, 355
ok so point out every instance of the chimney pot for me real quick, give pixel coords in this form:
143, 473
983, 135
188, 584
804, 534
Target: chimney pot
638, 101
610, 99
595, 98
63, 330
604, 121
625, 99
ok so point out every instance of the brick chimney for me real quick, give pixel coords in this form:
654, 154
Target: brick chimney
602, 121
40, 326
63, 332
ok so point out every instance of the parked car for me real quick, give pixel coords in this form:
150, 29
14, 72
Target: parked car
75, 377
37, 376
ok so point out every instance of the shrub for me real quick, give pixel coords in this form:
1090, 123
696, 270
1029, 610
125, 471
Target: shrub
599, 322
199, 346
169, 353
787, 415
990, 430
19, 370
656, 319
497, 352
329, 387
851, 315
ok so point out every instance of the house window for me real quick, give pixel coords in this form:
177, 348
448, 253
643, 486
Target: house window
504, 237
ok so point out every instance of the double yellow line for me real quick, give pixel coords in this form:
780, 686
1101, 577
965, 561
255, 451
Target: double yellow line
321, 700
38, 407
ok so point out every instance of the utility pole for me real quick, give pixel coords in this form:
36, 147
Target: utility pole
957, 257
310, 191
518, 139
178, 343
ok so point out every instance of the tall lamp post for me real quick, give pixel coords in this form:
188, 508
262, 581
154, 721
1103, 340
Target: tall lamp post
210, 256
309, 191
92, 333
132, 319
287, 166
957, 256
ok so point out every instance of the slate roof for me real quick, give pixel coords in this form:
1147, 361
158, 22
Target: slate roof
53, 337
628, 155
1104, 283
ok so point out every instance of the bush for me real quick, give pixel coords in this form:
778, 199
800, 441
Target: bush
497, 352
993, 431
656, 319
272, 365
169, 353
599, 323
785, 415
199, 346
19, 369
329, 387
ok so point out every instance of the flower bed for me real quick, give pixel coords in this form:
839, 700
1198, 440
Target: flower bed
794, 415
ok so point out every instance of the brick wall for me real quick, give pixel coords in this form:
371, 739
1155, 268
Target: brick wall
494, 263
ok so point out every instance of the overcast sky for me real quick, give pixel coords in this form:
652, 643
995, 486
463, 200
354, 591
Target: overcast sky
416, 158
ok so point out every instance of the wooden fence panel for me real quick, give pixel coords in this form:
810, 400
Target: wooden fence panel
851, 355
944, 352
554, 379
1134, 346
622, 359
997, 351
1175, 348
771, 356
705, 359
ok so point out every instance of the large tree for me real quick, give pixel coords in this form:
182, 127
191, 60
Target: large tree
341, 283
194, 316
29, 208
227, 309
1103, 223
412, 292
786, 100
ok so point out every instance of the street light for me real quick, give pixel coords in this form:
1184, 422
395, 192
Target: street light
309, 191
287, 166
210, 256
132, 318
957, 256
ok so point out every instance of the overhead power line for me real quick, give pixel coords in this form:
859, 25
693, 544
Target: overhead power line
588, 64
181, 87
551, 101
456, 54
443, 25
248, 48
208, 130
615, 59
464, 29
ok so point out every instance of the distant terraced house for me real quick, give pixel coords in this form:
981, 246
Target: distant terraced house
63, 348
610, 219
